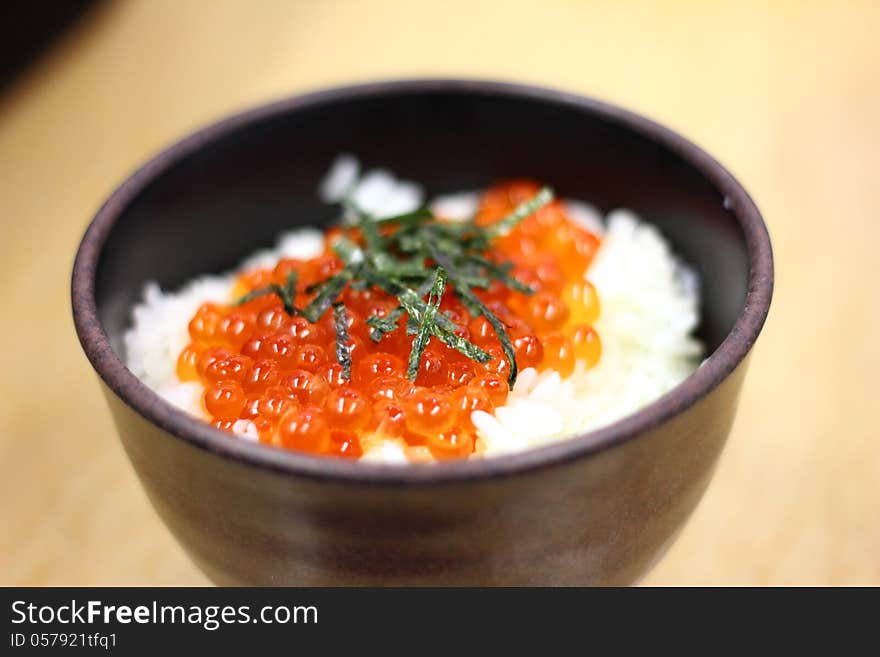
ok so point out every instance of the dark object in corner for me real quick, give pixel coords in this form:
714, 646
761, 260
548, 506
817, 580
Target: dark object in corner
27, 28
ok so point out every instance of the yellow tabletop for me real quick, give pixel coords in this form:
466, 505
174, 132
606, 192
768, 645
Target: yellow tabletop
787, 94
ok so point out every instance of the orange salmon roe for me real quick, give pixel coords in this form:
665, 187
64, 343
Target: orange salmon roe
260, 364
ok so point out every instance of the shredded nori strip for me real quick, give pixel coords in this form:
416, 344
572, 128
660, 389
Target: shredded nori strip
286, 293
325, 298
426, 324
415, 216
379, 326
343, 350
498, 325
523, 210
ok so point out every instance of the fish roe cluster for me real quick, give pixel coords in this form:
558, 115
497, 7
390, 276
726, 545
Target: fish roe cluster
258, 363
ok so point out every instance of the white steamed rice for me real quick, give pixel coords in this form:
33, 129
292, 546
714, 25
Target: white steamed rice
649, 311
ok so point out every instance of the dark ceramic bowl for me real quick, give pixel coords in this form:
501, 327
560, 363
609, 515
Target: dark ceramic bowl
597, 509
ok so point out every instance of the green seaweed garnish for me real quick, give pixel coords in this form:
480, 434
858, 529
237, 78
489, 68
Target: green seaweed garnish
426, 323
287, 293
413, 257
343, 350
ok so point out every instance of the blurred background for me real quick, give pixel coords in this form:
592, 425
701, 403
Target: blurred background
786, 94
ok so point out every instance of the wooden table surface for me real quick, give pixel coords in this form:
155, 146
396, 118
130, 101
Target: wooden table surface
787, 94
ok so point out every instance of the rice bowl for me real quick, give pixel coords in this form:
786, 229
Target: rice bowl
599, 508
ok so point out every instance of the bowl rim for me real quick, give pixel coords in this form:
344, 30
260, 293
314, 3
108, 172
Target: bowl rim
134, 393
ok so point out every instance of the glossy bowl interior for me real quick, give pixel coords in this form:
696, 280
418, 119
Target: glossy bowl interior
220, 194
